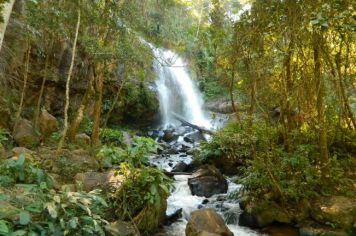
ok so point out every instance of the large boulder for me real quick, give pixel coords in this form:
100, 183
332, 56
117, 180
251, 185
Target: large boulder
206, 222
207, 181
263, 213
337, 210
47, 123
92, 180
24, 134
82, 140
121, 228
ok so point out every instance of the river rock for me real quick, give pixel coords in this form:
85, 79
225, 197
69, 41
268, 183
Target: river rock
206, 222
180, 167
170, 219
24, 134
169, 135
121, 228
207, 181
92, 180
262, 213
47, 123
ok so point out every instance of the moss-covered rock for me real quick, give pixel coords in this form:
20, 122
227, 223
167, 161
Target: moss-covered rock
24, 134
337, 211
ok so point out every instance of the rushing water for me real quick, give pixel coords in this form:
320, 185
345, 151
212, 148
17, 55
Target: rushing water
177, 92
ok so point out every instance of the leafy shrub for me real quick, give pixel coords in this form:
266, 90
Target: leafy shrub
142, 196
135, 155
21, 171
111, 137
47, 212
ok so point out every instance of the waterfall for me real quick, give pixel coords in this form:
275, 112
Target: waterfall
177, 91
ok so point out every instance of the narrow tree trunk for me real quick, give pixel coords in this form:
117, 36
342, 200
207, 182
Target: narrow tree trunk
66, 107
6, 13
80, 112
323, 146
231, 90
99, 83
44, 79
108, 114
27, 66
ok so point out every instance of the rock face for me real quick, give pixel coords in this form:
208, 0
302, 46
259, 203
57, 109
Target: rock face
24, 134
206, 222
48, 124
207, 181
121, 228
92, 180
221, 106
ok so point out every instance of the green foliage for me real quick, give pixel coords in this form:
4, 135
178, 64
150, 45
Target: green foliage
47, 212
55, 137
4, 136
135, 155
143, 192
21, 171
111, 137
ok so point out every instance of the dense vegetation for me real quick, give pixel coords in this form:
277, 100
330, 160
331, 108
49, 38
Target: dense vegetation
76, 79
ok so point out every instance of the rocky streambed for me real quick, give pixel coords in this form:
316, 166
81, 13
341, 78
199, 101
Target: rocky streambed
199, 201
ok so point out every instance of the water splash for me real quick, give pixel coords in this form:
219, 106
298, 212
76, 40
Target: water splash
177, 91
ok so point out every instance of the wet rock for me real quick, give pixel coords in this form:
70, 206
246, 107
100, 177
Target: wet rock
181, 130
195, 136
170, 151
170, 164
82, 140
207, 181
206, 222
47, 123
180, 167
221, 106
169, 136
231, 216
121, 228
337, 210
189, 139
205, 201
170, 219
262, 213
24, 134
92, 180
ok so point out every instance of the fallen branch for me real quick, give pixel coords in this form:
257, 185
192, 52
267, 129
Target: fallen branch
184, 122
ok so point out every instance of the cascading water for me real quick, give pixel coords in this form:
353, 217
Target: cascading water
177, 92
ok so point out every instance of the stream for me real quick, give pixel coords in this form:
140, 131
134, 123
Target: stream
178, 94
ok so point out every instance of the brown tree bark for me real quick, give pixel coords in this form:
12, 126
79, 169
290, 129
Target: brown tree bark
320, 105
80, 112
98, 87
66, 107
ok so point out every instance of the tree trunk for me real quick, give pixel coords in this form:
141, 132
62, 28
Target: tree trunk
108, 114
80, 112
99, 83
66, 107
320, 88
27, 66
6, 13
44, 79
231, 90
